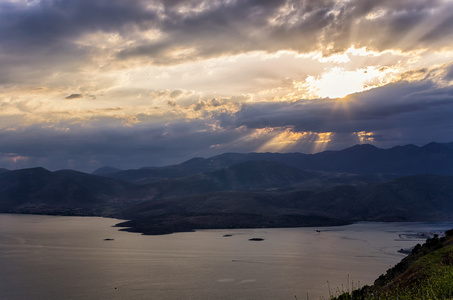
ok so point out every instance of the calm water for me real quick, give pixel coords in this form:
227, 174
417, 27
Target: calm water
45, 257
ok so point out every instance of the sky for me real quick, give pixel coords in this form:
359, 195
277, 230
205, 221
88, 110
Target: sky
128, 84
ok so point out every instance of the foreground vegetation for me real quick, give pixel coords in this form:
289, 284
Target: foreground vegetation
426, 273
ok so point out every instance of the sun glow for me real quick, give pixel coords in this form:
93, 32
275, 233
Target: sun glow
338, 82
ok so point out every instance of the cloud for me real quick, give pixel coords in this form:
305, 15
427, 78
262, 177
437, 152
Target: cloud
405, 107
449, 73
40, 38
176, 93
74, 96
90, 43
203, 29
232, 27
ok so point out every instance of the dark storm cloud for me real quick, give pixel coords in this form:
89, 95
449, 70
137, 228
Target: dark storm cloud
399, 106
239, 26
49, 23
46, 31
232, 27
40, 38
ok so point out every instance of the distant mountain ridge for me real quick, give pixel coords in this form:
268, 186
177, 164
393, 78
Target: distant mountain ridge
106, 170
433, 158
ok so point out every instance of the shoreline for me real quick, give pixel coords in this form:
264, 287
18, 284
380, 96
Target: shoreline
166, 230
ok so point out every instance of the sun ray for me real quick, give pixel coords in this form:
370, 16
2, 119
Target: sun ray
426, 26
324, 138
284, 141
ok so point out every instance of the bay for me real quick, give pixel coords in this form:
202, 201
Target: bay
52, 257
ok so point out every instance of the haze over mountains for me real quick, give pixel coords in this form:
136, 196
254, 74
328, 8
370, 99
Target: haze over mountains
404, 183
432, 158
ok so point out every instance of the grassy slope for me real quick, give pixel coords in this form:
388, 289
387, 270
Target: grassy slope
426, 273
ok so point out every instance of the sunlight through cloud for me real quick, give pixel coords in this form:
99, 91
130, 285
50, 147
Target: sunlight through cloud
338, 82
283, 141
289, 139
324, 138
365, 137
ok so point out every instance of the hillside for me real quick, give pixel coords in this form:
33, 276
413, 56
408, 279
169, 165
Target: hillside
413, 198
426, 273
64, 192
248, 176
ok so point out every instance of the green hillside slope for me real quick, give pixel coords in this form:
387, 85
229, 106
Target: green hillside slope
426, 273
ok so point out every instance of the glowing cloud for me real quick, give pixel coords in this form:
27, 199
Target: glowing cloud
13, 159
338, 82
365, 137
283, 141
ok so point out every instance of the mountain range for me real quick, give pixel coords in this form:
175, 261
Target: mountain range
232, 190
433, 158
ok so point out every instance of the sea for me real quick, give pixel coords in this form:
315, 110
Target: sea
56, 257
